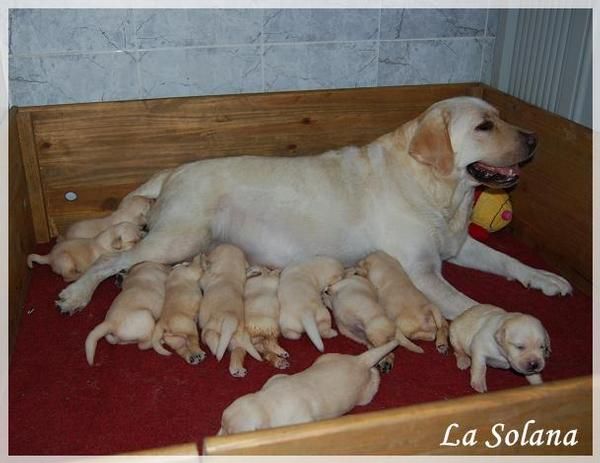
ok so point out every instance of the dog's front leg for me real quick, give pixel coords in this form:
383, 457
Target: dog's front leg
478, 256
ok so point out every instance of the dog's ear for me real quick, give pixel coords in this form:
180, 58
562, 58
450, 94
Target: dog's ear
253, 271
500, 336
547, 349
431, 143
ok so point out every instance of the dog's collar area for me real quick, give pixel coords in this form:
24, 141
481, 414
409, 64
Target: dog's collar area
494, 177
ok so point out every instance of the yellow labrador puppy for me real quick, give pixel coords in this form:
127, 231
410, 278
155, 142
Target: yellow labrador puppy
261, 312
71, 258
414, 315
177, 325
358, 315
221, 316
488, 335
408, 193
132, 209
133, 313
333, 385
299, 292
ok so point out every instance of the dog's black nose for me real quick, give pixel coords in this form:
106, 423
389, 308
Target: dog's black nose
533, 365
530, 140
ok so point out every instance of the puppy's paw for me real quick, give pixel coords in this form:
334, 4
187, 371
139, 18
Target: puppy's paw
281, 363
479, 385
386, 364
238, 372
71, 300
442, 348
549, 283
196, 358
463, 362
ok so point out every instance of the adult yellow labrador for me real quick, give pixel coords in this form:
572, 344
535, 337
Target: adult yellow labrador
408, 193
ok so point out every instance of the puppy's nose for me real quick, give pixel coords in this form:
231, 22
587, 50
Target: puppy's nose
533, 365
530, 140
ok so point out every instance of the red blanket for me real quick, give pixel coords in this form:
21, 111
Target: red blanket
132, 400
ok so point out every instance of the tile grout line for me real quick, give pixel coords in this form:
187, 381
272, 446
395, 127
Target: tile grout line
485, 31
137, 54
233, 45
262, 48
378, 47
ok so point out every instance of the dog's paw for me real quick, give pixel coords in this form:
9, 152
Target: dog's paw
281, 363
238, 372
479, 385
195, 359
442, 348
463, 362
547, 282
70, 300
386, 364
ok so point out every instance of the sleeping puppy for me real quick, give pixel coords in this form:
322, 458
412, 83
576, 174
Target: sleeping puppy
299, 294
71, 258
359, 316
132, 209
488, 335
333, 385
415, 316
261, 312
221, 316
177, 324
133, 313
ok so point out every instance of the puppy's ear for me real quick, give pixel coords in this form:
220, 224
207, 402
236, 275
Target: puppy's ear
431, 143
548, 349
117, 243
500, 336
253, 271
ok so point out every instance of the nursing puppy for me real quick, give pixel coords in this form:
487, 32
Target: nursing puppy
333, 385
415, 316
221, 316
299, 294
261, 312
358, 315
177, 325
72, 257
488, 335
133, 313
132, 209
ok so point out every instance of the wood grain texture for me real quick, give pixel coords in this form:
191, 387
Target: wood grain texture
190, 448
21, 233
553, 200
419, 429
103, 150
32, 174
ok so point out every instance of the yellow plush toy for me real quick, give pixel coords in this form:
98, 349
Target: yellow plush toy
492, 211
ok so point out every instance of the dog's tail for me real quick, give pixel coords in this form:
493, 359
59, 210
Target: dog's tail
310, 326
407, 343
91, 341
441, 334
157, 334
228, 328
31, 258
153, 187
246, 343
371, 357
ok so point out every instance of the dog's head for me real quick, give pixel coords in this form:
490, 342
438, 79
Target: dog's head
525, 343
464, 137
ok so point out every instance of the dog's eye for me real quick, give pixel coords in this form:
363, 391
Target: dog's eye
520, 347
485, 126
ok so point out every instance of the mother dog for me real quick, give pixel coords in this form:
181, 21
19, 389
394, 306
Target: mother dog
408, 193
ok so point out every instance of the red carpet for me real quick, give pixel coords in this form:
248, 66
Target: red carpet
132, 400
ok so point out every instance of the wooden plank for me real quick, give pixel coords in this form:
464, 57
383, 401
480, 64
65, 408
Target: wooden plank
21, 235
190, 448
553, 201
419, 429
102, 150
32, 174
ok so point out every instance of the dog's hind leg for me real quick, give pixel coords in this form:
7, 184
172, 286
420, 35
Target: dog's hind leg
164, 247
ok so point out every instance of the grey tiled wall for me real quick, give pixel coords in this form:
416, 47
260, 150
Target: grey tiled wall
65, 56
